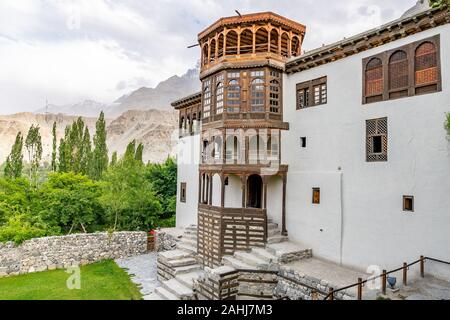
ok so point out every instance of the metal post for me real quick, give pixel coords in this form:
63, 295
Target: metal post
383, 282
405, 274
360, 288
422, 266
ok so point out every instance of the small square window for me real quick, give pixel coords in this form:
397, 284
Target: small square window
316, 196
303, 142
408, 203
183, 192
377, 144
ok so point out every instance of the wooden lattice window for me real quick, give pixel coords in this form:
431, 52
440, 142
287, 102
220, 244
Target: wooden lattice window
377, 140
207, 98
398, 74
233, 92
257, 101
426, 67
274, 96
183, 192
219, 98
374, 79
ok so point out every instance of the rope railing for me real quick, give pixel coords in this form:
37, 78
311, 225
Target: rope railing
383, 276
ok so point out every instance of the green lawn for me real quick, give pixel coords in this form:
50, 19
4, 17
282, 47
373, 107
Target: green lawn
100, 281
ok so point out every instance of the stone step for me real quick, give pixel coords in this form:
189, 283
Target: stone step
282, 248
235, 263
153, 296
188, 279
188, 241
277, 239
265, 254
273, 232
271, 225
178, 289
191, 228
250, 259
186, 269
165, 294
174, 255
182, 262
187, 247
191, 237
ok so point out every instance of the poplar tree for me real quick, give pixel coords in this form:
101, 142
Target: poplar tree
14, 162
63, 165
54, 164
86, 153
33, 143
113, 159
130, 152
139, 152
100, 155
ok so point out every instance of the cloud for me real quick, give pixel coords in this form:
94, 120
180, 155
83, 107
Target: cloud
70, 50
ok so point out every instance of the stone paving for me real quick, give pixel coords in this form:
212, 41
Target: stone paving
143, 271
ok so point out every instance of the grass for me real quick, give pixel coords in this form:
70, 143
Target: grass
99, 281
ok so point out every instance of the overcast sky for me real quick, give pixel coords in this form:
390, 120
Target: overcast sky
71, 50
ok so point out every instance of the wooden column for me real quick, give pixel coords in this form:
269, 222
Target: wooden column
283, 214
265, 192
422, 266
244, 189
200, 187
254, 39
222, 195
211, 177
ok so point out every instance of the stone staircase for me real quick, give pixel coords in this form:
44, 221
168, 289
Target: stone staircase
178, 269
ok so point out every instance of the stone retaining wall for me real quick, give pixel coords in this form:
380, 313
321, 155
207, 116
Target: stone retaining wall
295, 291
51, 253
167, 239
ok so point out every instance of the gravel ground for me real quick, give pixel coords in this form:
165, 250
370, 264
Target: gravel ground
142, 270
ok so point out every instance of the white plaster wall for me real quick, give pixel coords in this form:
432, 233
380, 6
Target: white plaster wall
188, 157
233, 192
275, 199
375, 230
216, 191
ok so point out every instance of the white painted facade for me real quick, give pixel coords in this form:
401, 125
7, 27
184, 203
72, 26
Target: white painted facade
188, 159
360, 220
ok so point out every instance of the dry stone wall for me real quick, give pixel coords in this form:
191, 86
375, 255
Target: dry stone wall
52, 253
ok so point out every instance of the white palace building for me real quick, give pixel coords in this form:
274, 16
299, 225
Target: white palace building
340, 150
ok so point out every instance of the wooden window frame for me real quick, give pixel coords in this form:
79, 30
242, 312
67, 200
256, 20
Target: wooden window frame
379, 156
412, 89
316, 196
183, 195
310, 85
405, 198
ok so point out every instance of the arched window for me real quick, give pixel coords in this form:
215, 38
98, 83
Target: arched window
262, 39
232, 43
295, 47
274, 46
257, 101
425, 64
274, 96
233, 96
232, 149
182, 123
285, 45
374, 77
219, 98
246, 44
398, 70
205, 54
220, 45
217, 148
213, 51
207, 99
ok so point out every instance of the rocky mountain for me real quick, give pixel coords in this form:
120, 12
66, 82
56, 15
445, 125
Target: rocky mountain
159, 97
87, 108
154, 128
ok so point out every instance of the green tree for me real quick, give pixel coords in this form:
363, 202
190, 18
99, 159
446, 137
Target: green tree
139, 152
100, 155
14, 162
439, 3
163, 179
63, 165
71, 202
54, 165
113, 159
127, 197
130, 152
33, 143
86, 152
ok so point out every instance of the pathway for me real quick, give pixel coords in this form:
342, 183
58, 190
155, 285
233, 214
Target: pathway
142, 270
